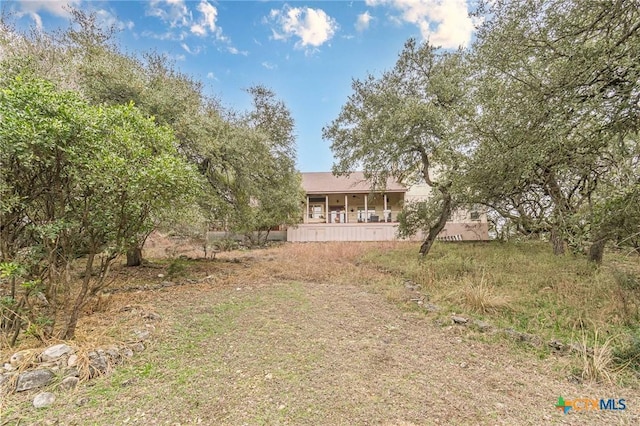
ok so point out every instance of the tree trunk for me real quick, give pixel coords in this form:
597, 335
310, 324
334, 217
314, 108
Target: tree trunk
596, 251
72, 322
439, 226
134, 256
557, 242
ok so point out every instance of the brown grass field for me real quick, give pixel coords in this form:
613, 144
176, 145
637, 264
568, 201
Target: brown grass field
337, 334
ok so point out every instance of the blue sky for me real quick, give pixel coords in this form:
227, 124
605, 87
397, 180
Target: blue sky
308, 52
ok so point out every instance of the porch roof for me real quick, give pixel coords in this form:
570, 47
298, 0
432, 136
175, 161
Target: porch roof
327, 183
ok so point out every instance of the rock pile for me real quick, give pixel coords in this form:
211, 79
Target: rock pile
61, 367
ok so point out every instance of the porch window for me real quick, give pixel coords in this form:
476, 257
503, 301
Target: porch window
315, 211
362, 213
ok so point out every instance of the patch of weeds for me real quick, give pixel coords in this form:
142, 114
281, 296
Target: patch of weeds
628, 353
145, 370
480, 297
176, 268
628, 295
522, 285
597, 357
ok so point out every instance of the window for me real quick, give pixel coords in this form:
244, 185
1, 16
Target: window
362, 214
315, 211
475, 215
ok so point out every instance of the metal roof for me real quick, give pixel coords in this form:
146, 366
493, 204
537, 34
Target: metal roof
327, 183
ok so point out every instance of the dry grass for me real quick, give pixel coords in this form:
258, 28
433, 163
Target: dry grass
480, 297
305, 334
598, 363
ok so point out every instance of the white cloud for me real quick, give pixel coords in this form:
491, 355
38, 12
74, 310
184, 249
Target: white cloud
201, 22
313, 27
444, 23
55, 7
235, 51
173, 12
107, 19
207, 22
211, 76
169, 35
209, 15
269, 65
363, 21
37, 20
190, 50
179, 57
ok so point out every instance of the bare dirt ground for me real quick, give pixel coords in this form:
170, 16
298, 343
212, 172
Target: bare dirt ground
303, 335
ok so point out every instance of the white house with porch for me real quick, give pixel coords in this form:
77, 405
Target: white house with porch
345, 208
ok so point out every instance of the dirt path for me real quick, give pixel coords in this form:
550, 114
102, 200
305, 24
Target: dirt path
312, 353
323, 353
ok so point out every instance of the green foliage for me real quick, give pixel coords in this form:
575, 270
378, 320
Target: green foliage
81, 179
556, 95
257, 185
406, 124
93, 145
176, 268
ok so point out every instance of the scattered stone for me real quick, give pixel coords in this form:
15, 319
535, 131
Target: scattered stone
127, 352
5, 378
141, 334
281, 407
82, 401
73, 371
574, 379
128, 382
98, 363
464, 365
18, 357
482, 326
557, 345
459, 320
523, 337
33, 379
44, 399
8, 367
152, 316
138, 347
114, 354
411, 286
574, 347
268, 376
69, 383
160, 275
430, 307
54, 352
167, 284
72, 361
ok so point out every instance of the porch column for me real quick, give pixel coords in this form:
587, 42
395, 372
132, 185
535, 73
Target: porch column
366, 209
346, 208
306, 212
384, 212
326, 210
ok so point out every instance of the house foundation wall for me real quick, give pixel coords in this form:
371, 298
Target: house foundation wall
381, 232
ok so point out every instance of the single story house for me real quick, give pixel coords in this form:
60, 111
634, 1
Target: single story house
345, 208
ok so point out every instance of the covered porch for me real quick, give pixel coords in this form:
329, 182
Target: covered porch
352, 208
